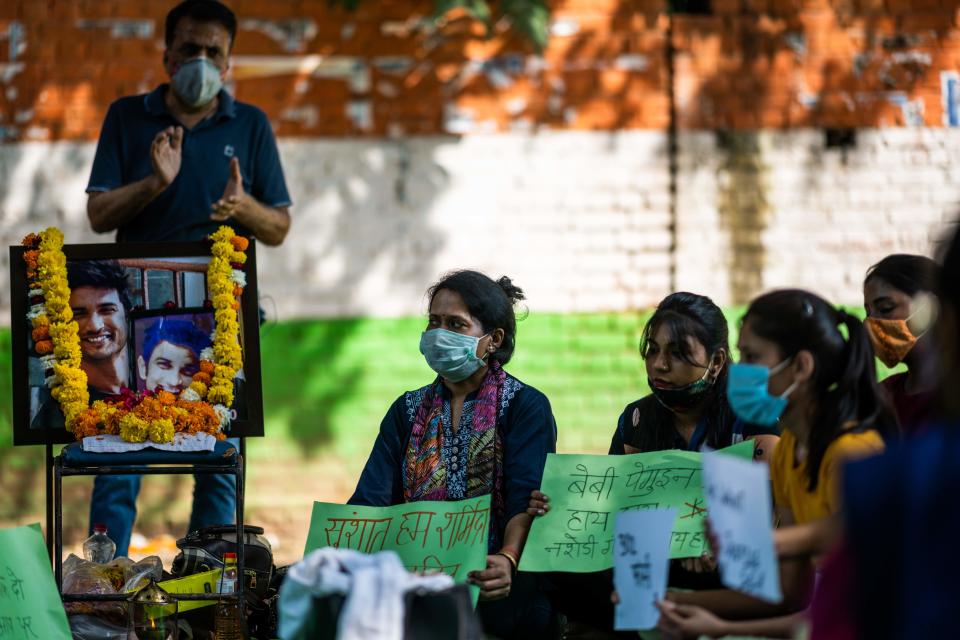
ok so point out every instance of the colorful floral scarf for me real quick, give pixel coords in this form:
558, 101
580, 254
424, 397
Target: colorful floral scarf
425, 472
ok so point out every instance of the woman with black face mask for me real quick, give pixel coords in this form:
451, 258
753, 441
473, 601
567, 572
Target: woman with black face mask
686, 350
685, 347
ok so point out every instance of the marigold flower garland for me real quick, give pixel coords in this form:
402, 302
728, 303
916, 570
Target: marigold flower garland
56, 336
203, 407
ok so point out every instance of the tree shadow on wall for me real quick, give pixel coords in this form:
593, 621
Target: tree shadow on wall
363, 208
364, 212
30, 200
306, 385
772, 70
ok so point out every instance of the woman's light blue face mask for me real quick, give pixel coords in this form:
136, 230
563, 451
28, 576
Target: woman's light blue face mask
452, 355
749, 394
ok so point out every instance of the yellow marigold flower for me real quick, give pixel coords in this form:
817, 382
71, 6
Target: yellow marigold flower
99, 406
221, 251
161, 430
223, 300
199, 387
133, 429
220, 394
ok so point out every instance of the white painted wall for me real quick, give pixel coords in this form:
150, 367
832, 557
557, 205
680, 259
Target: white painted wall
580, 220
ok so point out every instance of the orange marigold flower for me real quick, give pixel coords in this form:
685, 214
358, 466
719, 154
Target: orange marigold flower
207, 367
31, 240
235, 305
202, 377
237, 291
30, 257
41, 333
239, 243
166, 398
44, 347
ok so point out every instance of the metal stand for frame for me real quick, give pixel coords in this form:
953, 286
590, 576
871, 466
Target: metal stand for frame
56, 470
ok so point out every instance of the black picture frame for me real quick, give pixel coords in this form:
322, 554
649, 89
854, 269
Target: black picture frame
248, 424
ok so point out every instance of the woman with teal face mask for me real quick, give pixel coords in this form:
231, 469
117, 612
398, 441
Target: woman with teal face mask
808, 368
475, 430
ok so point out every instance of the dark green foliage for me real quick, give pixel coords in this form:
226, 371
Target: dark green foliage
530, 18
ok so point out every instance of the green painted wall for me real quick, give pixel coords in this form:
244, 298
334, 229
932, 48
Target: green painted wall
328, 383
337, 378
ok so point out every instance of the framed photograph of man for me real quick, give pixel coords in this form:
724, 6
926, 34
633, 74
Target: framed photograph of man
145, 319
167, 348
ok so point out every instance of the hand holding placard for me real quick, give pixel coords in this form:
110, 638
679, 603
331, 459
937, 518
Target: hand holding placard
430, 537
641, 562
586, 491
738, 497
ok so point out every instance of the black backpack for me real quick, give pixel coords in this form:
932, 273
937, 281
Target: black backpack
438, 615
203, 550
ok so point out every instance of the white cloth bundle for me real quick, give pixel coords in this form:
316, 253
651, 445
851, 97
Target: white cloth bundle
374, 586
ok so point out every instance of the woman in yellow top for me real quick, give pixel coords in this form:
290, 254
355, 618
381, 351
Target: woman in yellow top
799, 369
808, 367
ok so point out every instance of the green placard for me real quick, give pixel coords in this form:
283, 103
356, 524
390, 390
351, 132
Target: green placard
429, 537
30, 605
587, 491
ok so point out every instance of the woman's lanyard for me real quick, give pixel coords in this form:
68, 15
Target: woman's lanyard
700, 434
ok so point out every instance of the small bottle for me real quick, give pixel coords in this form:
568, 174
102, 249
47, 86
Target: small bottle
228, 577
229, 623
99, 547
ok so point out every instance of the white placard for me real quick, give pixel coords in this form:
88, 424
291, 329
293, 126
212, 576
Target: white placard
641, 562
738, 500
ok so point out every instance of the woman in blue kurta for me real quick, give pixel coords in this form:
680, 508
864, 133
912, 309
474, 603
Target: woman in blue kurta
475, 430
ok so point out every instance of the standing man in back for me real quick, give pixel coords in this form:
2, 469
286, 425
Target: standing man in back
173, 165
176, 163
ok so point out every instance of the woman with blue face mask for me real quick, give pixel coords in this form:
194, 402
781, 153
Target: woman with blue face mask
808, 368
475, 430
798, 369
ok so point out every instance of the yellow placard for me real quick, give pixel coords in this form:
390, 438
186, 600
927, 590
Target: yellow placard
205, 582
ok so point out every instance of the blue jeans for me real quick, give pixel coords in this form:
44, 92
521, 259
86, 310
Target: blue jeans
114, 503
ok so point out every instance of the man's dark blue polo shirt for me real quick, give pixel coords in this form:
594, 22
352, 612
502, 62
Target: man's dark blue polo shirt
182, 211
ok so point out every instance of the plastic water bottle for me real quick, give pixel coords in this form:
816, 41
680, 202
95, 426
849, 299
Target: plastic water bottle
99, 547
228, 577
228, 617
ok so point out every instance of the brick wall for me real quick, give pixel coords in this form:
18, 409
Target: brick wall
413, 148
384, 68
